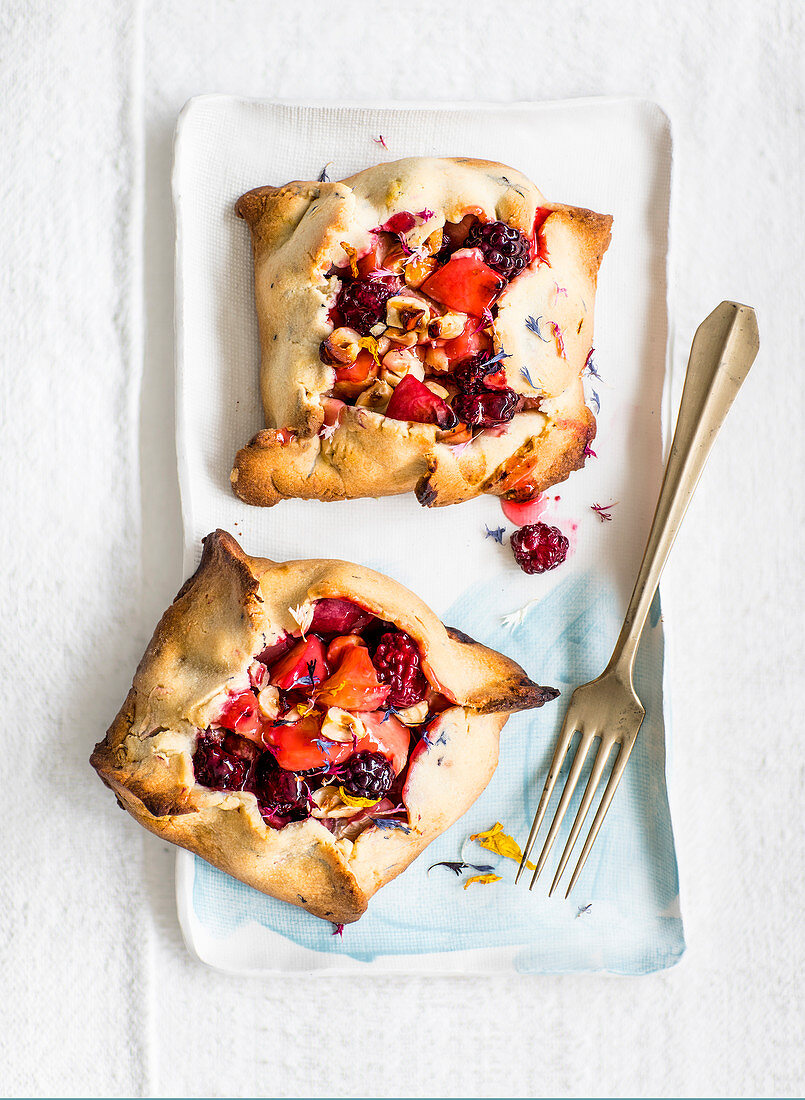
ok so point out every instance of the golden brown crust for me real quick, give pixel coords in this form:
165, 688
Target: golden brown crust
298, 232
229, 610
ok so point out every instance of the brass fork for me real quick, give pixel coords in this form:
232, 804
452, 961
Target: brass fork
724, 348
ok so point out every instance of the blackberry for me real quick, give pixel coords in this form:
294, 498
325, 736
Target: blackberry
366, 775
362, 304
217, 767
281, 795
538, 547
397, 664
470, 373
504, 248
486, 408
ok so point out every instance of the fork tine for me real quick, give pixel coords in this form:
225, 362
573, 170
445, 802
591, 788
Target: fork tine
559, 754
600, 763
564, 802
614, 780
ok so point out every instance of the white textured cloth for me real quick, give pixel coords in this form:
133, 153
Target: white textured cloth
100, 997
73, 953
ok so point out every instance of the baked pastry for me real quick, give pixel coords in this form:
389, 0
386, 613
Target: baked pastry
424, 326
309, 727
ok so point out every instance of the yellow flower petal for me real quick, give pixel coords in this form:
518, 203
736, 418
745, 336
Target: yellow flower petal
483, 880
368, 343
495, 840
355, 800
352, 253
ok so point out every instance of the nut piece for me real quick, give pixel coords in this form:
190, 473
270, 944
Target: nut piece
418, 269
412, 716
340, 725
408, 314
340, 348
269, 701
376, 397
328, 803
436, 360
403, 339
440, 391
396, 364
448, 326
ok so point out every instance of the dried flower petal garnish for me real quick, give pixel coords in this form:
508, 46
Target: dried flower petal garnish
588, 452
590, 368
302, 616
532, 324
495, 840
602, 510
498, 357
482, 880
595, 400
388, 710
518, 617
495, 533
322, 176
327, 431
352, 253
309, 680
325, 746
338, 930
369, 343
558, 339
582, 909
508, 183
386, 823
527, 376
380, 140
457, 867
559, 291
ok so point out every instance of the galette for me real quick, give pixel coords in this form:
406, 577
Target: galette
308, 727
424, 325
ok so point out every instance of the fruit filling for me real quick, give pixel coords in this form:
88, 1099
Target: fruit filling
328, 724
413, 328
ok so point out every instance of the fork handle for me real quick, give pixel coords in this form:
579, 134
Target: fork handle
723, 350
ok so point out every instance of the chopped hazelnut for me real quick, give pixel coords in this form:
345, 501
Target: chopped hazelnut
376, 397
408, 314
412, 716
403, 339
448, 326
436, 360
396, 364
340, 348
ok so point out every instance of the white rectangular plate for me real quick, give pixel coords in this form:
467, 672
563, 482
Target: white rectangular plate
610, 155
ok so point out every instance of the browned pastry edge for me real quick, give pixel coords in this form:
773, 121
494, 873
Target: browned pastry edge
296, 233
221, 616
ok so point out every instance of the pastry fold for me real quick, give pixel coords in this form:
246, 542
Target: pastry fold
226, 613
298, 236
